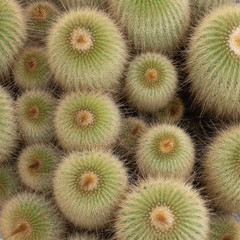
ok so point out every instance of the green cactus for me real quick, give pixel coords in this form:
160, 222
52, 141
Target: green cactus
213, 63
35, 116
221, 170
30, 217
31, 70
162, 210
151, 82
12, 33
156, 25
8, 133
87, 121
36, 165
165, 150
224, 227
86, 51
88, 187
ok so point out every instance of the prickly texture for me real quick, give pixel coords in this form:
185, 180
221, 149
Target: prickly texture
172, 113
12, 33
162, 210
35, 115
87, 121
36, 165
88, 187
8, 134
151, 82
83, 237
214, 62
31, 70
81, 3
132, 130
8, 183
221, 170
165, 150
156, 25
224, 227
30, 217
40, 16
86, 51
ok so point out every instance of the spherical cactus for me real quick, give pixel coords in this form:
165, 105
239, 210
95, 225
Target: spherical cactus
156, 25
172, 113
221, 170
83, 237
36, 165
8, 183
132, 130
81, 3
40, 16
12, 33
151, 82
88, 187
8, 134
31, 70
86, 51
30, 217
35, 115
87, 121
224, 227
165, 150
164, 210
213, 63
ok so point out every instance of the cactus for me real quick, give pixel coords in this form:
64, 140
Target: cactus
81, 3
88, 187
30, 217
213, 63
40, 16
165, 150
221, 170
35, 115
31, 69
162, 209
36, 164
151, 82
12, 33
87, 121
83, 237
8, 134
8, 183
156, 25
86, 51
224, 227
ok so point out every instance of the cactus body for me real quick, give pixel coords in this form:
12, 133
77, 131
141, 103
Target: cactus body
35, 115
162, 210
151, 82
81, 3
165, 150
88, 187
83, 237
213, 63
86, 51
156, 25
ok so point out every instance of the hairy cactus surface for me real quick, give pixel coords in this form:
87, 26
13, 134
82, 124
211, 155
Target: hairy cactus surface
81, 3
83, 237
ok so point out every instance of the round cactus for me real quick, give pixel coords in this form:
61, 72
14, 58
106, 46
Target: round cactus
35, 115
213, 62
81, 3
8, 183
151, 82
156, 25
30, 217
83, 237
12, 33
36, 165
8, 134
224, 227
165, 150
40, 16
86, 51
162, 209
221, 170
88, 187
87, 121
31, 69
